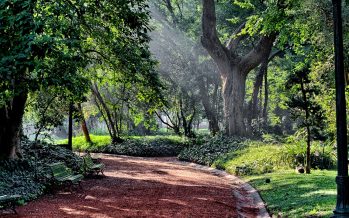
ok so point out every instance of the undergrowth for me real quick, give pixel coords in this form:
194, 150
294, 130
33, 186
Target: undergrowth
208, 152
144, 146
26, 176
148, 146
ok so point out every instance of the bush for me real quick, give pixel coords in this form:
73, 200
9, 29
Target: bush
148, 146
322, 156
210, 151
25, 176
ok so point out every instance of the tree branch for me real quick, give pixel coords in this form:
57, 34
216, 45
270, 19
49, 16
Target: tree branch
256, 55
210, 38
235, 39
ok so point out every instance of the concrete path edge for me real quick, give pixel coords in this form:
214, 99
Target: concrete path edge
241, 189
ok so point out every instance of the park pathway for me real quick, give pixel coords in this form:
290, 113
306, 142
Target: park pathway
151, 187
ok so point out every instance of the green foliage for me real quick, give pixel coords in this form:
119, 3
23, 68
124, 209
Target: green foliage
144, 146
290, 194
27, 176
255, 158
302, 102
322, 154
148, 147
80, 144
210, 151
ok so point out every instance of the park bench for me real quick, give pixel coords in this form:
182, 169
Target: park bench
62, 175
92, 165
9, 201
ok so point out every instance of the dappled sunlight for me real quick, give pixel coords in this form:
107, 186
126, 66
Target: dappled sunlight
138, 187
183, 203
320, 193
85, 211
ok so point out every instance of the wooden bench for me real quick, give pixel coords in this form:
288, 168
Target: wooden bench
9, 201
90, 166
62, 175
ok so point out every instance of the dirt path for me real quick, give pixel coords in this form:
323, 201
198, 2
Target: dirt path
147, 187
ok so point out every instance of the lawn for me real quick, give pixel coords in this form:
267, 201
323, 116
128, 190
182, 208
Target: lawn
80, 144
290, 194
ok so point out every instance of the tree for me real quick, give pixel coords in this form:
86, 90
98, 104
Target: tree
33, 57
50, 44
233, 68
305, 108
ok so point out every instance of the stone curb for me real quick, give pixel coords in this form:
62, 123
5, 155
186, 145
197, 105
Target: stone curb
241, 190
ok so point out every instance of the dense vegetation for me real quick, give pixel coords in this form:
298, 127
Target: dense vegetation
149, 146
256, 76
28, 176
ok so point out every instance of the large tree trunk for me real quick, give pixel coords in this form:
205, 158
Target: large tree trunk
233, 68
11, 116
233, 95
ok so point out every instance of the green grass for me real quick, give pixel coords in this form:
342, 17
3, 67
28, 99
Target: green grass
255, 158
297, 195
80, 144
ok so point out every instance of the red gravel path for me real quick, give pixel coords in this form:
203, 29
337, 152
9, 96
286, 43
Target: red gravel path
141, 187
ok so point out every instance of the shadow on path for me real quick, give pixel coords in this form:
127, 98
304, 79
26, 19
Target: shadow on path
141, 187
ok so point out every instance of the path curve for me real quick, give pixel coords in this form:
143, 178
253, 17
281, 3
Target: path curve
152, 187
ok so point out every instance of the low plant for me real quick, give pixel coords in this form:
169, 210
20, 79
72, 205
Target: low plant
27, 175
255, 158
210, 151
151, 146
322, 155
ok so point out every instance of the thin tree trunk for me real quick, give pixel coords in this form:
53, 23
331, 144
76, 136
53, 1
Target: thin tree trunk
266, 99
103, 115
210, 113
84, 125
114, 136
70, 127
308, 165
253, 109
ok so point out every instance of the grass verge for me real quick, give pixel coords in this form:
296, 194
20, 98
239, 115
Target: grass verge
80, 144
290, 194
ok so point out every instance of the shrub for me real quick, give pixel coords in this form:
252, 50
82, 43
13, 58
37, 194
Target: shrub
148, 146
24, 176
322, 155
210, 151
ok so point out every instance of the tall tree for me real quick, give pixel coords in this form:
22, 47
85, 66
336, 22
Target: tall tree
50, 44
233, 67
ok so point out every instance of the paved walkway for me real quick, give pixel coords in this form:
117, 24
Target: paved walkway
152, 187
